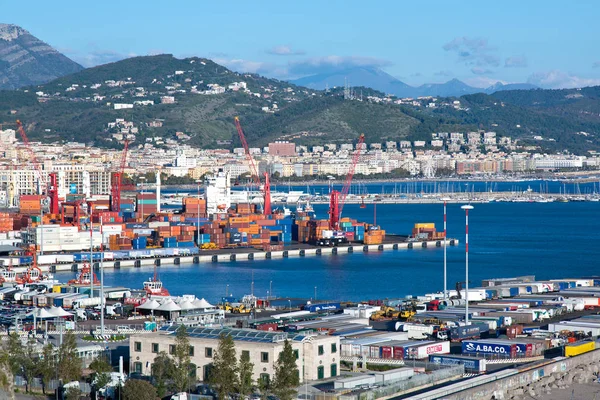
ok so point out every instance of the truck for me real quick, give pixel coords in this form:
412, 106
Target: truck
472, 364
421, 331
460, 333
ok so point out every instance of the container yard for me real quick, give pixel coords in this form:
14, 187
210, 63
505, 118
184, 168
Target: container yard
65, 233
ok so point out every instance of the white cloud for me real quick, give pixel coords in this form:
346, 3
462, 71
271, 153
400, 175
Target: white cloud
483, 81
557, 79
481, 71
304, 67
253, 67
444, 73
515, 62
473, 51
98, 57
284, 51
319, 65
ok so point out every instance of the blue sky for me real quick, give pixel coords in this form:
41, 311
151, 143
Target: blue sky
548, 43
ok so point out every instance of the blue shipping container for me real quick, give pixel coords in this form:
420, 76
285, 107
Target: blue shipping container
500, 348
472, 365
323, 307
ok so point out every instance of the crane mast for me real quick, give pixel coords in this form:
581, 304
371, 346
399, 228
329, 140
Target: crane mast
338, 199
34, 160
116, 180
254, 171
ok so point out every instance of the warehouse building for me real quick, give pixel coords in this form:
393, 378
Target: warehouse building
317, 355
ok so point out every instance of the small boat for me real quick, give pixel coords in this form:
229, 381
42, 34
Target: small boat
8, 275
85, 277
154, 287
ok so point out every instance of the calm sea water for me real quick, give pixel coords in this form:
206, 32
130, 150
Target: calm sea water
540, 186
549, 240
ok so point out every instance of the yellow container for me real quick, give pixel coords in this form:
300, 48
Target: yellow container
425, 225
56, 289
578, 349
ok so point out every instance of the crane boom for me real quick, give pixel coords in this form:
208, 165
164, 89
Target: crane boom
254, 171
117, 180
350, 175
338, 199
33, 157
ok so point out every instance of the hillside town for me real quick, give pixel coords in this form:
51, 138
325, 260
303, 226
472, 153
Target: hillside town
474, 154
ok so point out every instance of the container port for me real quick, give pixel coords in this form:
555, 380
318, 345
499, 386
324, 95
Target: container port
391, 345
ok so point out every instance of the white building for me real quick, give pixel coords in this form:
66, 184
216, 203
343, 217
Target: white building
317, 356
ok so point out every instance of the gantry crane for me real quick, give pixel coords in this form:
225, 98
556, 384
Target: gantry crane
254, 171
116, 180
338, 199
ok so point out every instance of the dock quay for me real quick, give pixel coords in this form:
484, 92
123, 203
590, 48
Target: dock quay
243, 255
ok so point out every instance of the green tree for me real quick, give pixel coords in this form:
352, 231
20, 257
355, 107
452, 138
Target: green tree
69, 364
6, 375
47, 366
14, 349
29, 362
245, 380
161, 372
73, 393
287, 376
181, 360
136, 389
102, 369
223, 374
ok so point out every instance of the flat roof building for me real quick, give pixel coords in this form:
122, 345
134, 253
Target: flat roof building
317, 355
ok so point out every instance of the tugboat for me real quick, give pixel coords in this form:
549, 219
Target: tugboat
154, 287
8, 275
85, 277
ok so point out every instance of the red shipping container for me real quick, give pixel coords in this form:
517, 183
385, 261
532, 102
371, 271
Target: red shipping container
398, 353
386, 352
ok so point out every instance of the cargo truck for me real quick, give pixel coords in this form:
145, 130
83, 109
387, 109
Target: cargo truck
460, 333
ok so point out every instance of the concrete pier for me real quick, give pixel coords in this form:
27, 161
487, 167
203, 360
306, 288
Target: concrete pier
237, 256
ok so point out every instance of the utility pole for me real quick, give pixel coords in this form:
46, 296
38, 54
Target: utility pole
467, 208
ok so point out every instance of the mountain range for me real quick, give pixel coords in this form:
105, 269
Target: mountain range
85, 104
26, 60
378, 79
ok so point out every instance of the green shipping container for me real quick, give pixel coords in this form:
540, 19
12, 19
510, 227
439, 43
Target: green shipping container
146, 201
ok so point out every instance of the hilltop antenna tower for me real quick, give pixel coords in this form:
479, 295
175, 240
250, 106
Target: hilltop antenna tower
346, 89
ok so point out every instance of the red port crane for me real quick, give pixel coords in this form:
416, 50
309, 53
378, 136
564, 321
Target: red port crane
34, 160
254, 170
51, 191
338, 199
116, 180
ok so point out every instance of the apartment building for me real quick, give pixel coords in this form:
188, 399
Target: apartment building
317, 355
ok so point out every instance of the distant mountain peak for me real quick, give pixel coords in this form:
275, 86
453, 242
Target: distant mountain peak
10, 32
26, 60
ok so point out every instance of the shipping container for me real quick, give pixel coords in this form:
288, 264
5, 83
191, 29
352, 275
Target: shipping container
472, 364
576, 349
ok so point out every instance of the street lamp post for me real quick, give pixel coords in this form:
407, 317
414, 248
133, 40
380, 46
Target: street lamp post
467, 208
271, 288
101, 272
445, 200
198, 226
91, 214
315, 293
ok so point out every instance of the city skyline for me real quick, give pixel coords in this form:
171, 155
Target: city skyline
539, 43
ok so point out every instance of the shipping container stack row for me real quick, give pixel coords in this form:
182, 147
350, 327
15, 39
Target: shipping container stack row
426, 231
30, 204
393, 349
146, 204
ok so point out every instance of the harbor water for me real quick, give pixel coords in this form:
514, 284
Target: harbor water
549, 240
